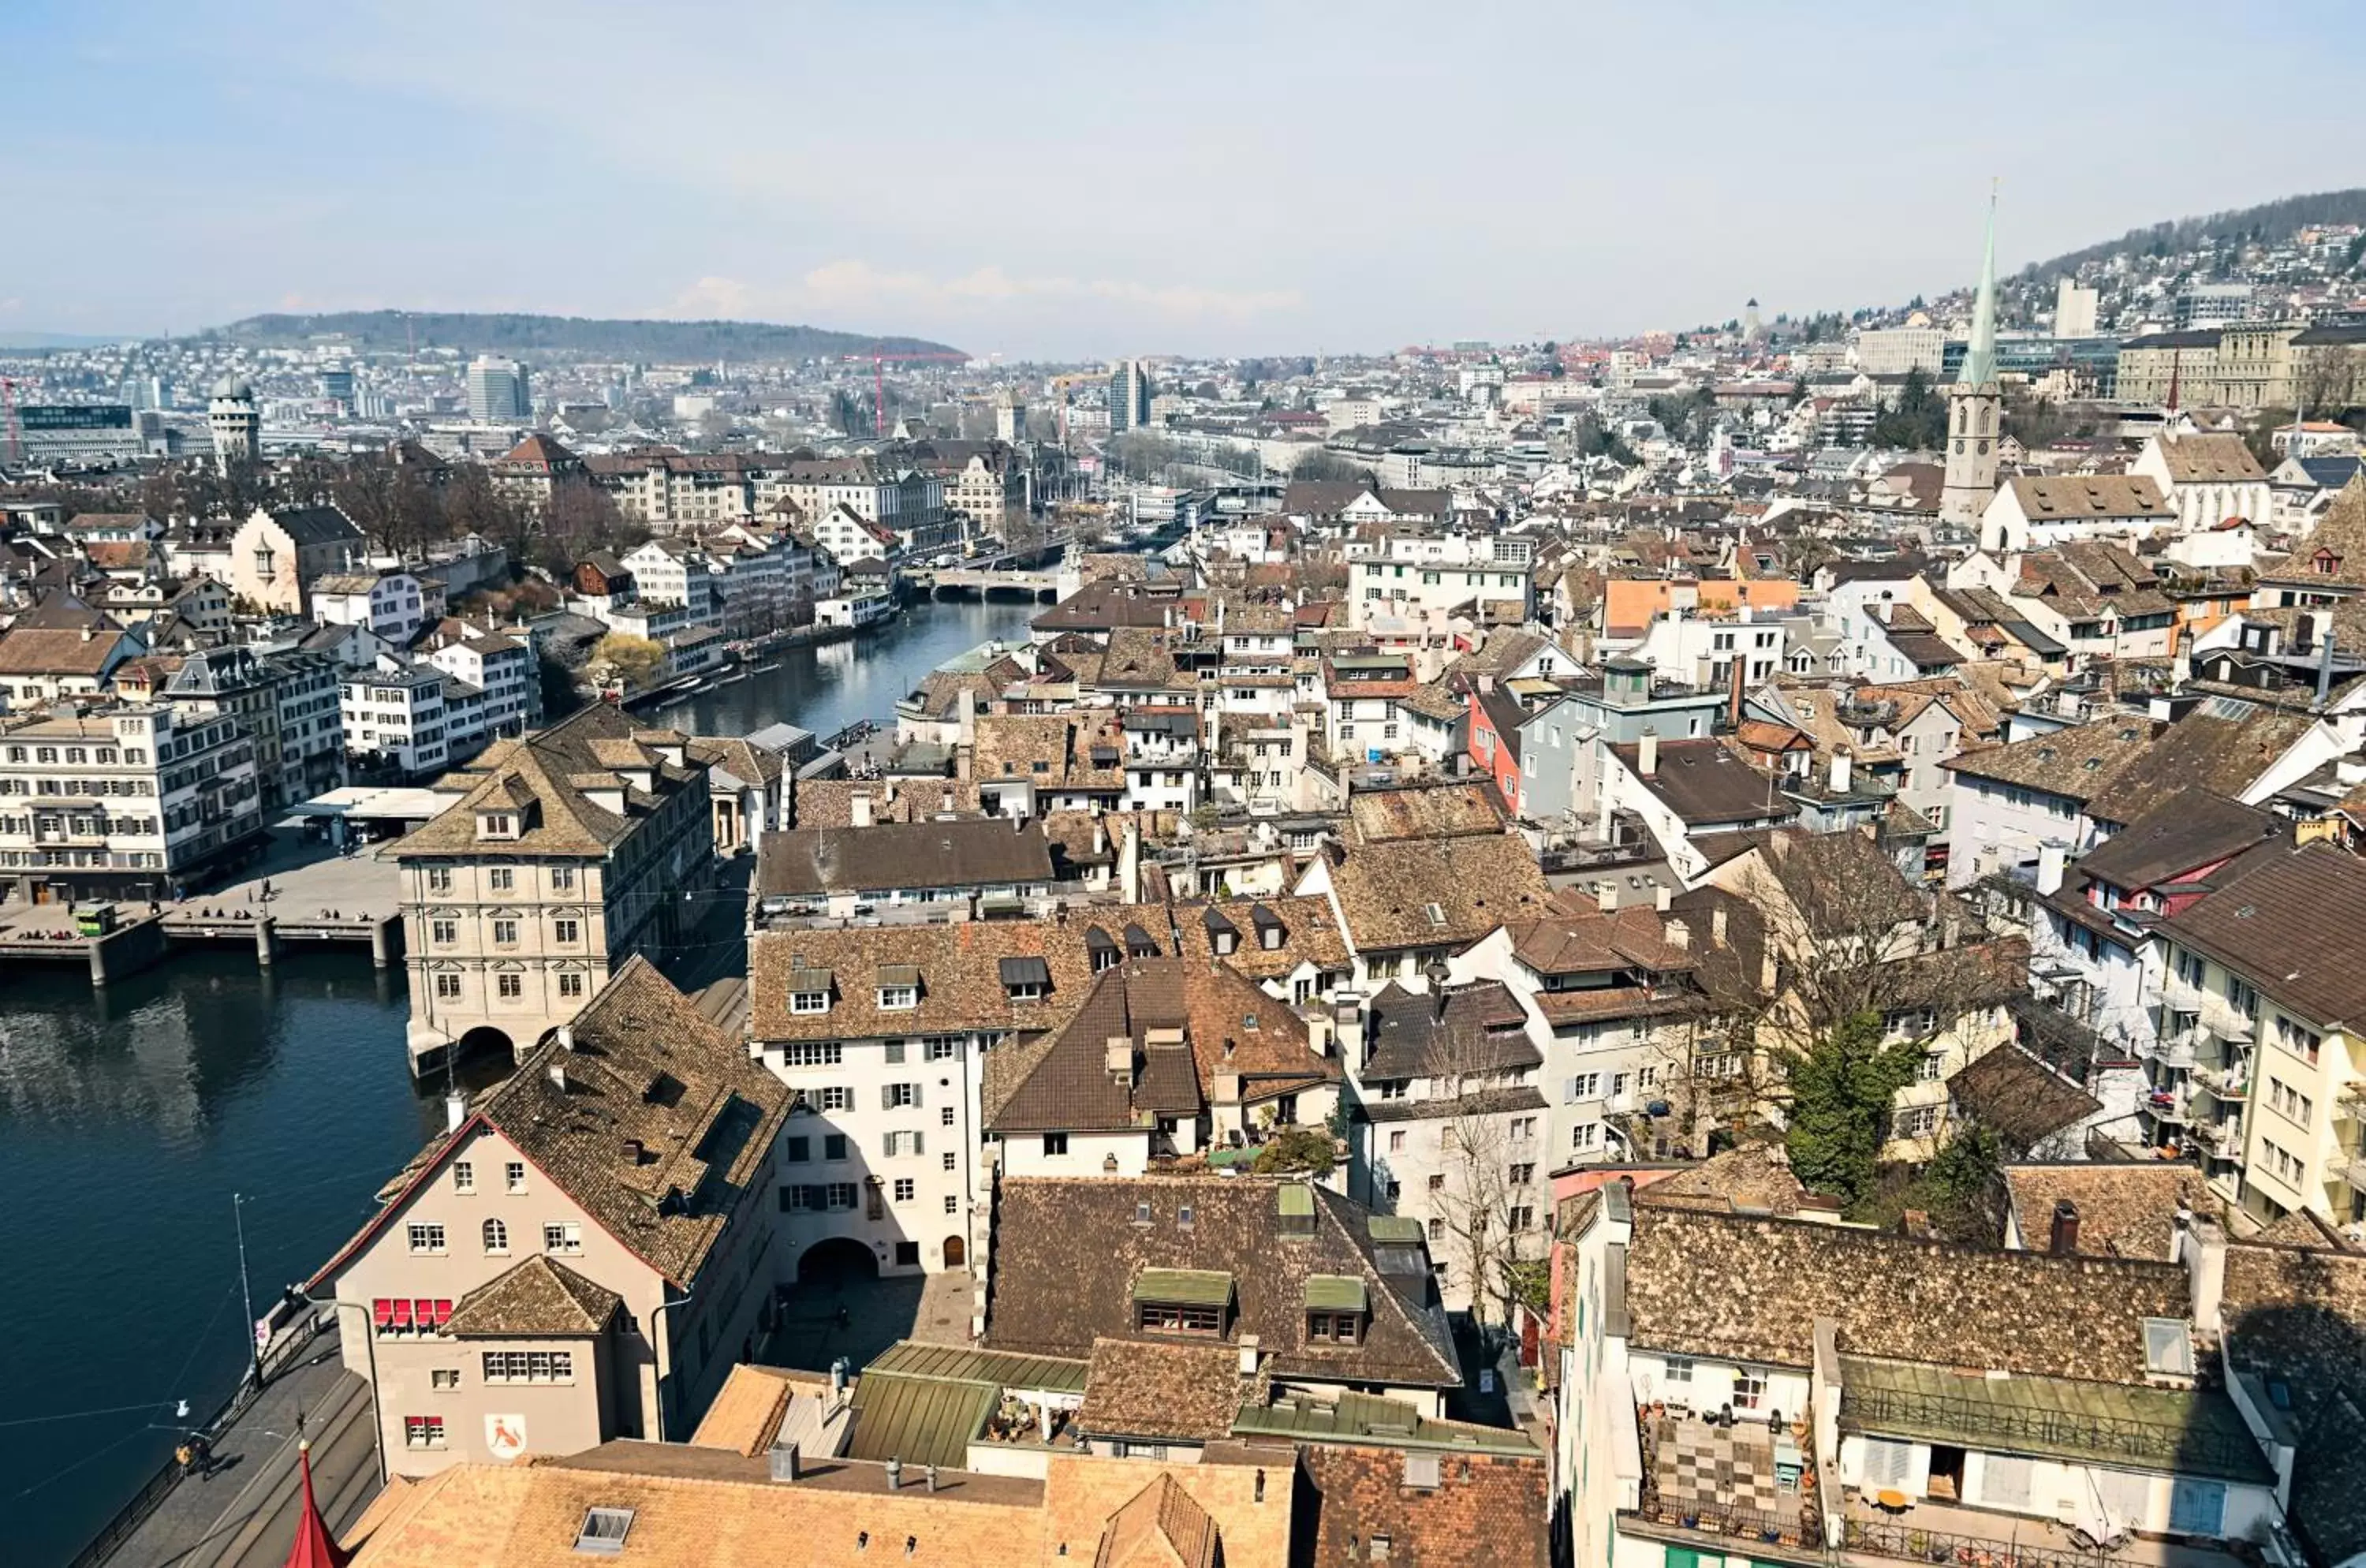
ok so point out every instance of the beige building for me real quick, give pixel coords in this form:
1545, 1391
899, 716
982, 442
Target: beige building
584, 1255
2149, 367
276, 557
569, 850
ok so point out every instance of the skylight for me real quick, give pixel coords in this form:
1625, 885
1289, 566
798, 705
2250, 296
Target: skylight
2169, 1347
605, 1530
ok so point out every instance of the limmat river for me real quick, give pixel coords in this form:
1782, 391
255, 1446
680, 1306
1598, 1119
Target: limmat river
130, 1117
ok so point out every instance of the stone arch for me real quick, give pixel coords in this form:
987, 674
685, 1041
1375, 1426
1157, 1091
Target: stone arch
836, 1259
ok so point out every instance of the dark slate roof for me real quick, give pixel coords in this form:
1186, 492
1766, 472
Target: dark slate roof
2018, 1097
2191, 828
1483, 1030
900, 855
316, 524
2290, 923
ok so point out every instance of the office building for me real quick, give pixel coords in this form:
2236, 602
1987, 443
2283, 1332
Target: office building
1129, 398
497, 390
2074, 310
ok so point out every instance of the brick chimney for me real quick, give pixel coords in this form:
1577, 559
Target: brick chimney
2064, 1242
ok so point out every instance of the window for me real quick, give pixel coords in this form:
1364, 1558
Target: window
810, 1054
1523, 1128
562, 1235
447, 988
1584, 1085
510, 988
951, 1161
514, 1174
505, 933
1585, 1136
944, 1049
2301, 1041
1748, 1388
1888, 1462
1920, 1122
1397, 1140
566, 932
528, 1366
1931, 1067
425, 1236
562, 878
1334, 1328
605, 1530
837, 1097
833, 1145
1522, 1218
1437, 1230
444, 1377
903, 1143
497, 1237
1055, 1144
906, 1190
443, 933
900, 1096
464, 1177
1381, 1545
945, 1116
952, 1203
892, 1051
439, 879
423, 1431
898, 998
570, 985
501, 879
841, 1194
1160, 1317
810, 1001
2006, 1480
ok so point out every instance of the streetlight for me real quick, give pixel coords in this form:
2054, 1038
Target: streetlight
254, 1340
369, 1348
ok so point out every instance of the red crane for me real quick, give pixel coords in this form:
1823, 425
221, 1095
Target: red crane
879, 358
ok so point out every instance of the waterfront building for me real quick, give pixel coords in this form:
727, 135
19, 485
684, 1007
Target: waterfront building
504, 668
122, 802
392, 602
544, 1277
289, 702
567, 851
394, 716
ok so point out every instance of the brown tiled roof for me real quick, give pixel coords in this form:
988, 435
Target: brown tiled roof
2210, 458
554, 768
2187, 829
1751, 1289
42, 650
647, 1066
830, 803
2075, 496
1487, 1510
1430, 811
1755, 1176
2019, 1097
2124, 1211
2078, 763
1067, 1253
540, 1299
2224, 747
969, 853
1586, 942
747, 1412
2290, 923
1483, 1031
749, 765
1385, 891
1309, 933
1190, 1392
2299, 1317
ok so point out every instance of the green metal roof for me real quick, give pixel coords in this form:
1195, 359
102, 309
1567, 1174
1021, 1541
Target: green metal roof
1335, 1293
954, 1363
1401, 1230
1184, 1287
1296, 1199
2192, 1431
1368, 1418
918, 1420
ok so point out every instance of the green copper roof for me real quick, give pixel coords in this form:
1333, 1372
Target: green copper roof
1979, 362
1335, 1293
1184, 1287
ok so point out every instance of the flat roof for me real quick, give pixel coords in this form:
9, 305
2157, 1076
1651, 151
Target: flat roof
364, 800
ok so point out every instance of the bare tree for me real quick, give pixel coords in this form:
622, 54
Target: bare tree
1486, 1202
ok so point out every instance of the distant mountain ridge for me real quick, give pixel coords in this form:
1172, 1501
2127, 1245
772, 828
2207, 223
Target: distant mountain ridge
2272, 221
663, 342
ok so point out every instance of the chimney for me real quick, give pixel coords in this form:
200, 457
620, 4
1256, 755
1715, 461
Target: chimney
455, 1111
2050, 858
859, 810
1118, 1058
1740, 670
558, 1077
632, 1151
88, 631
1647, 754
2064, 1241
895, 1474
786, 1465
1841, 768
1606, 896
931, 1474
2325, 661
1437, 1000
1662, 896
567, 1037
1678, 935
2203, 1249
1249, 1355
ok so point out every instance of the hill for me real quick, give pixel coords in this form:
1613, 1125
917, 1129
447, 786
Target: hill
673, 342
2268, 222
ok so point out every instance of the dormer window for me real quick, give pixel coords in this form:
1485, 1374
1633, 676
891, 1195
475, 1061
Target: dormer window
1336, 1309
497, 825
809, 990
2327, 563
1103, 949
899, 987
1025, 979
1182, 1301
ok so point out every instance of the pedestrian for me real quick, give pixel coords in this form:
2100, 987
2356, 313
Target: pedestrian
202, 1456
187, 1458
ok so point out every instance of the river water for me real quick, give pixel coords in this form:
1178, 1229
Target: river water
130, 1117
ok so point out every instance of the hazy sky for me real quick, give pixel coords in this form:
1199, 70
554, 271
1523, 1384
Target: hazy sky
1074, 180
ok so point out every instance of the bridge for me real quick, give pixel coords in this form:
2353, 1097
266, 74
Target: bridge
954, 583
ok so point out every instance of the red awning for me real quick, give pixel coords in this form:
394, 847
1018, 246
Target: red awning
403, 1312
443, 1314
382, 1309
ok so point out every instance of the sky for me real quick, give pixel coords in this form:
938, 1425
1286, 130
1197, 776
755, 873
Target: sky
1079, 181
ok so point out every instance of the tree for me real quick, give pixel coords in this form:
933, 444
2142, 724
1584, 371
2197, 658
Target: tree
1841, 1084
1297, 1151
640, 663
1320, 464
1484, 1209
1916, 420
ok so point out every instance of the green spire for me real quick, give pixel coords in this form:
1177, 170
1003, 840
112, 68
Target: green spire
1979, 364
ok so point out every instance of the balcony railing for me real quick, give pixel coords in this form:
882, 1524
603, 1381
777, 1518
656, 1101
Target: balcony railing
1911, 1543
2172, 1050
2232, 1082
2148, 1444
2353, 1171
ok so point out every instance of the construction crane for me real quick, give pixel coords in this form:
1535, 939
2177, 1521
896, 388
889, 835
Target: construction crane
879, 358
16, 428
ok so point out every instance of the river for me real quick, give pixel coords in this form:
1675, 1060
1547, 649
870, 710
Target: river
129, 1117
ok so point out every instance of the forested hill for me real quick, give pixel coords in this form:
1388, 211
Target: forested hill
671, 343
2267, 223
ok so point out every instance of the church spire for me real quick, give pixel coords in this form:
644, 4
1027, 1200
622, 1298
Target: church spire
1979, 362
314, 1547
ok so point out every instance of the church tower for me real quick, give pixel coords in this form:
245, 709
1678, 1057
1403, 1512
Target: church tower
1975, 408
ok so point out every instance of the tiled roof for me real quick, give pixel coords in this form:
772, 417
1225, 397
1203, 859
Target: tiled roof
1748, 1177
1066, 1253
1487, 1511
540, 1298
2019, 1097
2299, 1316
2188, 828
2078, 763
966, 853
1460, 1032
2086, 496
556, 768
2289, 922
1433, 811
41, 651
1707, 781
2124, 1211
1751, 1289
1190, 1392
1309, 933
1387, 892
2210, 459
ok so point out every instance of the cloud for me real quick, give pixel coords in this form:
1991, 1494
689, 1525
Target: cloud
11, 305
854, 283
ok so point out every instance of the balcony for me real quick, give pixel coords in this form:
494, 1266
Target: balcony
2224, 1139
2166, 1106
2231, 1083
1742, 1483
1965, 1538
2173, 1048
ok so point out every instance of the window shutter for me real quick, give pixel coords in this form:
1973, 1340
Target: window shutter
917, 1141
1569, 1091
886, 1097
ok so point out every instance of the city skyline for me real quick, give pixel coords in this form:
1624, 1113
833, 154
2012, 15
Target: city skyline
1231, 181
